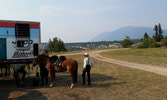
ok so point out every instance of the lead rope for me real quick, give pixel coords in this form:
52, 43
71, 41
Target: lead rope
88, 61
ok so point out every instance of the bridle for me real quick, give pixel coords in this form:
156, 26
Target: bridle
35, 60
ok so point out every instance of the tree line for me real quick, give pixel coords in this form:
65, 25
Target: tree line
57, 45
157, 40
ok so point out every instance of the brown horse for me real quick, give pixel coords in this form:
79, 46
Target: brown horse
41, 59
69, 65
51, 69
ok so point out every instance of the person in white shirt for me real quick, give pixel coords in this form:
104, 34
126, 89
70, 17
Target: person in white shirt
88, 63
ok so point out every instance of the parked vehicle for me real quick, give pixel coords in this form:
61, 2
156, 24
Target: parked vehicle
19, 41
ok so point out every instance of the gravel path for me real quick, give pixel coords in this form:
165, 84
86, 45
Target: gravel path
149, 68
144, 67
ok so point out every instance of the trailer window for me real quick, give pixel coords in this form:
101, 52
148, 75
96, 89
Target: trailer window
22, 30
22, 44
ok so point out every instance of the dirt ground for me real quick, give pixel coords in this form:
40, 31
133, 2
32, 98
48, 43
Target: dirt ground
59, 92
109, 82
149, 68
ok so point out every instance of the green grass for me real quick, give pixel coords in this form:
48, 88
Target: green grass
109, 82
119, 82
77, 51
152, 56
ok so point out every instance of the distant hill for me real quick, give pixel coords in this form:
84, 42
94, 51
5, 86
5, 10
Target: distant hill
120, 34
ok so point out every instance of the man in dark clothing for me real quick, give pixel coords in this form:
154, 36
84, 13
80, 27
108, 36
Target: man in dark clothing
44, 73
43, 70
19, 69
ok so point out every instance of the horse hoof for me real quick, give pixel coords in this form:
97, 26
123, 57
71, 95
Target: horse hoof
71, 86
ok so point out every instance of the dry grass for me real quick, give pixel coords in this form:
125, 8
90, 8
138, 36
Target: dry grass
109, 82
153, 56
77, 51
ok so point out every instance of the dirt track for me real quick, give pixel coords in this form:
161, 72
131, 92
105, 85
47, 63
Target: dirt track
149, 68
154, 69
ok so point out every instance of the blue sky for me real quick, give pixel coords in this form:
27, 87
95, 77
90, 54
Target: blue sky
81, 20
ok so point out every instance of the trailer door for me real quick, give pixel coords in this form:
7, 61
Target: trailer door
35, 49
3, 49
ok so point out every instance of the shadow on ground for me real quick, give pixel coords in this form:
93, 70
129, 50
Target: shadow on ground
30, 95
7, 85
97, 80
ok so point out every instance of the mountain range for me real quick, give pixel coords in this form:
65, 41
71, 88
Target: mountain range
121, 33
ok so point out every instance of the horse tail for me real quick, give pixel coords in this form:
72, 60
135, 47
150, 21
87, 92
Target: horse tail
76, 72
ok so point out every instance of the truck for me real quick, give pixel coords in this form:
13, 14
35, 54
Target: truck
20, 41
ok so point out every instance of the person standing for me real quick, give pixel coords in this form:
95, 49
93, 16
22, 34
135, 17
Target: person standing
43, 69
19, 69
88, 63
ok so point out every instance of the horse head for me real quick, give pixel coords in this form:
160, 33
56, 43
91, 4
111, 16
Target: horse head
40, 59
35, 60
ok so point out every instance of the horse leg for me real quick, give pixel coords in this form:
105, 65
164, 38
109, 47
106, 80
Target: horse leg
73, 79
9, 70
76, 72
28, 67
32, 67
54, 79
51, 80
1, 69
6, 71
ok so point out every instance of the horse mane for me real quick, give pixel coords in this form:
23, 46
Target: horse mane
62, 58
42, 58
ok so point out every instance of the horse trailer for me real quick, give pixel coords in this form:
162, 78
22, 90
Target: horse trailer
19, 41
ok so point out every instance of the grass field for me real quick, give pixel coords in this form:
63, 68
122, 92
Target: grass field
77, 51
109, 82
152, 56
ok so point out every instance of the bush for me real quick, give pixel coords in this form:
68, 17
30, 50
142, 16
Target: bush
148, 43
127, 42
153, 43
56, 45
164, 41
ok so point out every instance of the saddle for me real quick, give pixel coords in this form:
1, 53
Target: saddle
62, 58
55, 61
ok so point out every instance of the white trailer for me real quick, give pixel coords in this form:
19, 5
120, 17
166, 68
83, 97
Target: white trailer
19, 41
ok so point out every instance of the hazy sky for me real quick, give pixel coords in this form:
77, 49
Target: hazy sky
81, 20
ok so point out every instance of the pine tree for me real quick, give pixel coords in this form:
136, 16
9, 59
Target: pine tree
146, 36
160, 32
156, 33
127, 42
56, 45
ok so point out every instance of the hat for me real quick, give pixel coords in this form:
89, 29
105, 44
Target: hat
86, 54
